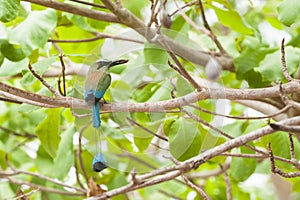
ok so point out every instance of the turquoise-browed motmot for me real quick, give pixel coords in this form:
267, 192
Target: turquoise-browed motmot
97, 81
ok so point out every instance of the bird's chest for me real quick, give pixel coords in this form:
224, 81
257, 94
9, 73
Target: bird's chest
96, 76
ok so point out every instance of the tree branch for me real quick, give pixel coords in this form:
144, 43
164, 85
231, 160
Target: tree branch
94, 14
161, 106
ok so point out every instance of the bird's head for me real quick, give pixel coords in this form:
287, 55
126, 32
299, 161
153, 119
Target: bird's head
109, 64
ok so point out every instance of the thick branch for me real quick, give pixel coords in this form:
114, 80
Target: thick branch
94, 14
161, 106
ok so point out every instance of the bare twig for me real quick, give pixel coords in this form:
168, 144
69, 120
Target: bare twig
88, 3
154, 13
286, 100
98, 37
146, 129
17, 172
292, 149
50, 88
40, 176
276, 170
243, 118
211, 34
196, 188
188, 182
44, 189
171, 195
244, 155
190, 22
284, 68
63, 69
227, 182
184, 6
27, 135
10, 100
183, 72
77, 174
208, 174
294, 129
135, 158
23, 195
79, 150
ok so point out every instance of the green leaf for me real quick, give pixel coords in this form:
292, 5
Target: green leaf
185, 139
253, 53
134, 72
146, 92
10, 68
44, 162
80, 22
3, 32
162, 93
183, 87
3, 162
34, 32
47, 132
168, 124
232, 19
289, 12
135, 7
154, 54
250, 59
13, 52
271, 68
120, 91
142, 138
242, 168
255, 79
9, 10
65, 156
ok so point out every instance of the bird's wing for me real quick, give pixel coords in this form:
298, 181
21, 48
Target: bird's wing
104, 83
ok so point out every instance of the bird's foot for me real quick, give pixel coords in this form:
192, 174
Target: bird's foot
102, 102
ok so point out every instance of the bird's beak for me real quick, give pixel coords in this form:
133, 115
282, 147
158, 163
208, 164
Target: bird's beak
117, 62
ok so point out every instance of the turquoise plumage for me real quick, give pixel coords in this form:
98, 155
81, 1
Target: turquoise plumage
97, 81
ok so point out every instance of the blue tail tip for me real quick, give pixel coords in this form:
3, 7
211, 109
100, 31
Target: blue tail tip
96, 124
99, 163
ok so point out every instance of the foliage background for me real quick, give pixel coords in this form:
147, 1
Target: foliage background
40, 147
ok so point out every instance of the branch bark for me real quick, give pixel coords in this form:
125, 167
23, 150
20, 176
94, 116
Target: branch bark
161, 106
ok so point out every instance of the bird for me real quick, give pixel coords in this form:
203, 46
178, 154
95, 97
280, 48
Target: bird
96, 83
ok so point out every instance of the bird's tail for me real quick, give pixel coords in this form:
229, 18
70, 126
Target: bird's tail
99, 162
95, 115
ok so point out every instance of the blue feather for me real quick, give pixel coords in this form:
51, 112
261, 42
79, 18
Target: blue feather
99, 94
95, 115
99, 162
92, 97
